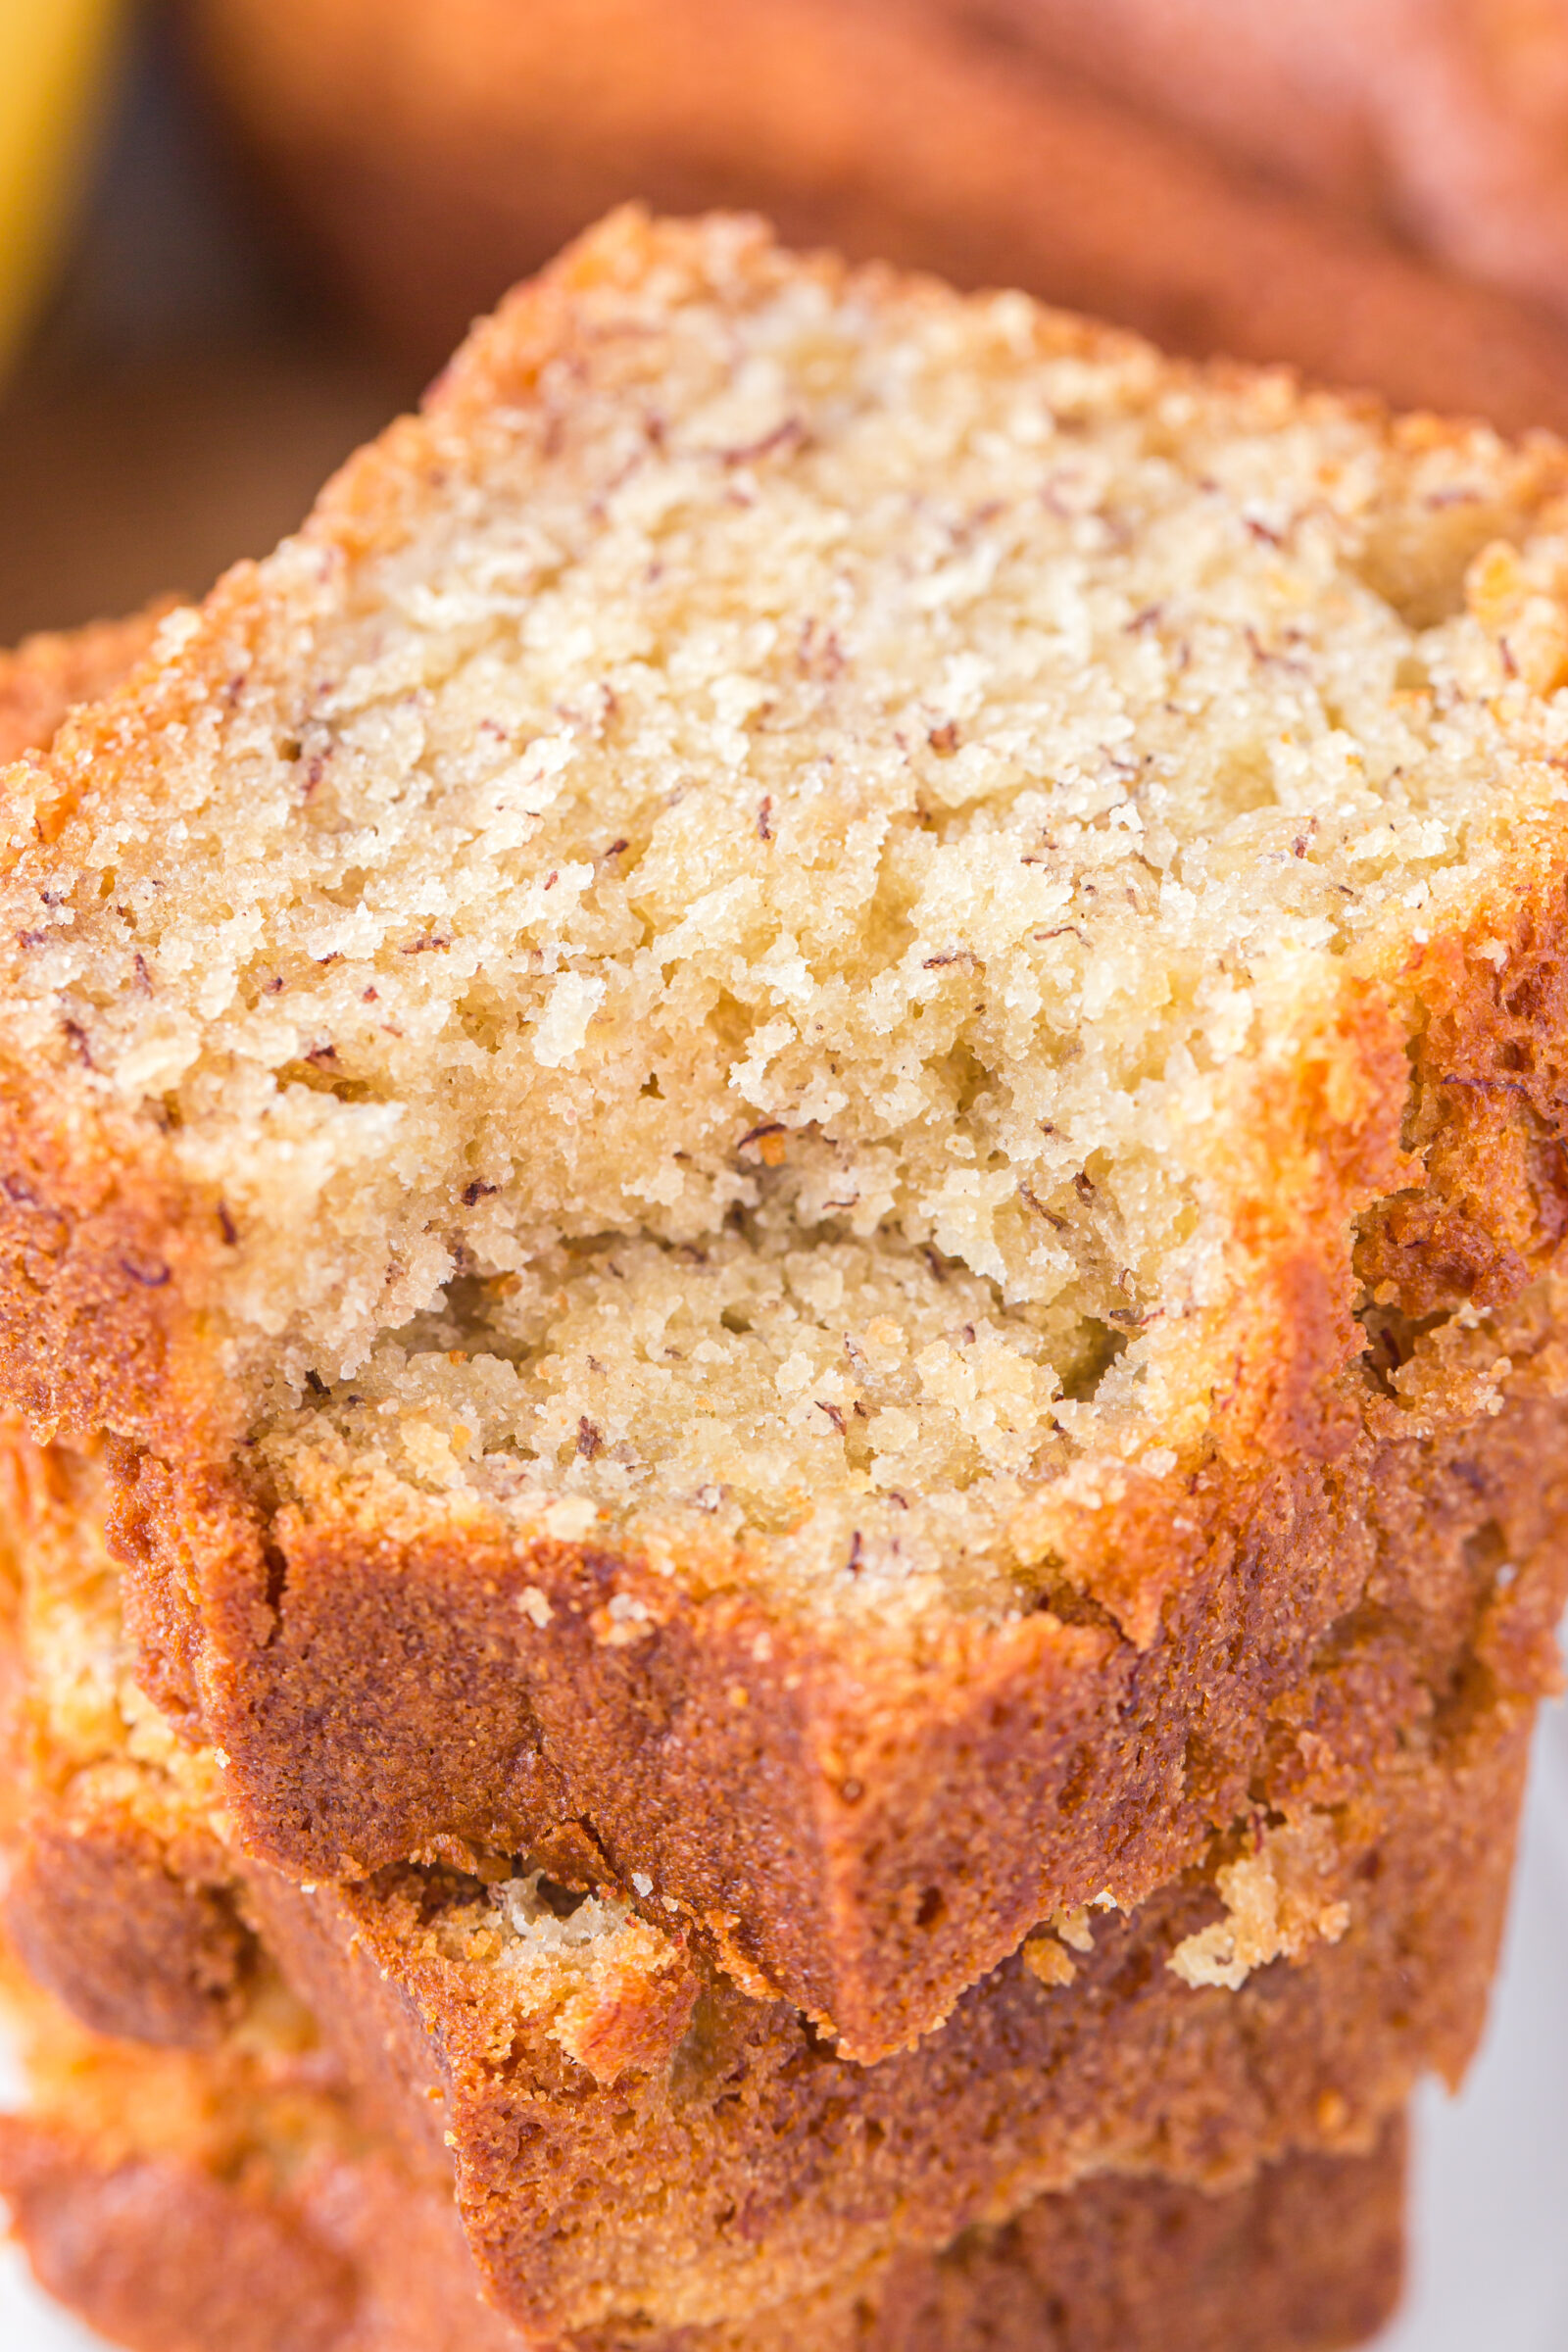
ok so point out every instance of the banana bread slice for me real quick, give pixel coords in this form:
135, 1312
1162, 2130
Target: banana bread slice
778, 1099
628, 2132
178, 2201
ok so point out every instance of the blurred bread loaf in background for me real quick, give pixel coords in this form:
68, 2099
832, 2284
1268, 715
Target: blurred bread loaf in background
298, 204
1442, 121
1299, 181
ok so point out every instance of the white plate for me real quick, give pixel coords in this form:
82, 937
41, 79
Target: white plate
1490, 2254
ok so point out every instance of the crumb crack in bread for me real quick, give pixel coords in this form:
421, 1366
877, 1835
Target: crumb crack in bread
737, 1050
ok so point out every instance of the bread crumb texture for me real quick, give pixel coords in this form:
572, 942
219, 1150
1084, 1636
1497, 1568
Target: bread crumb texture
712, 931
1277, 1902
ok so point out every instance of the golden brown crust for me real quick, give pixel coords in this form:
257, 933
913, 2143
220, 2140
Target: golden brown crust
49, 675
97, 1323
560, 2095
92, 1228
782, 2168
897, 131
46, 1208
162, 2257
100, 1916
181, 2199
372, 1694
133, 2248
1311, 2258
652, 2067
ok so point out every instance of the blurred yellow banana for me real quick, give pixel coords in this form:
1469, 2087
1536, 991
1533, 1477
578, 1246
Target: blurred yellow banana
53, 60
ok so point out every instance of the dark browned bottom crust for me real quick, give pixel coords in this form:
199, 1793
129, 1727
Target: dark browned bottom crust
162, 2256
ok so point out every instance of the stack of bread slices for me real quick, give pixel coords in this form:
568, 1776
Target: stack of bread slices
784, 1340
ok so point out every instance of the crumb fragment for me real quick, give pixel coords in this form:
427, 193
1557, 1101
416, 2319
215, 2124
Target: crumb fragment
1275, 1905
1047, 1959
